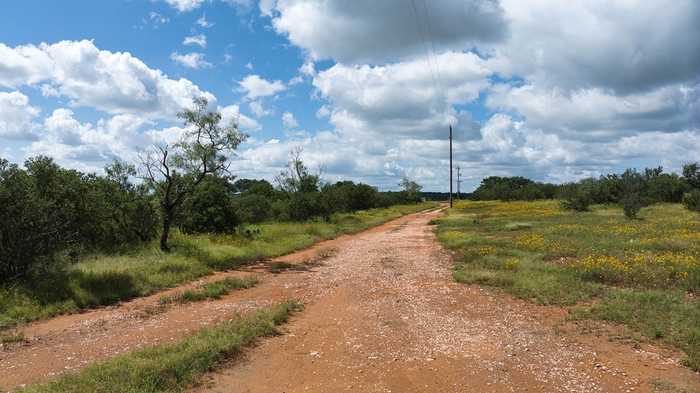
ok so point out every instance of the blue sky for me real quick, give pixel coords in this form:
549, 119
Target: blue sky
555, 91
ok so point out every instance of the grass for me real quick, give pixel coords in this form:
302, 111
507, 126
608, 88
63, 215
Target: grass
106, 279
12, 338
642, 273
173, 367
212, 290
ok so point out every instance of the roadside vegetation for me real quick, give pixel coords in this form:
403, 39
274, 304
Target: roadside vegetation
212, 290
173, 367
642, 272
103, 279
71, 240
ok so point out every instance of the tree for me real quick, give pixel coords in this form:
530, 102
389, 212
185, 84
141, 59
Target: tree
175, 171
411, 189
633, 186
691, 174
131, 206
296, 177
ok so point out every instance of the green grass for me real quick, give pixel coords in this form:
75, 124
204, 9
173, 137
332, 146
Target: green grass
106, 279
212, 290
12, 338
642, 273
173, 367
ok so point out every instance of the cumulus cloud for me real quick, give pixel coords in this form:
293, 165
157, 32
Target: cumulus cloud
255, 86
232, 113
194, 60
198, 39
114, 82
17, 116
624, 45
258, 110
589, 114
375, 31
289, 121
402, 99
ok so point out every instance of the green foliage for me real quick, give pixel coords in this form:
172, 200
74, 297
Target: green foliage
512, 188
210, 208
46, 209
411, 189
212, 290
576, 197
176, 171
691, 200
106, 279
640, 273
172, 367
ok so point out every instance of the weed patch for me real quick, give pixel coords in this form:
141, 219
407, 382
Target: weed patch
172, 367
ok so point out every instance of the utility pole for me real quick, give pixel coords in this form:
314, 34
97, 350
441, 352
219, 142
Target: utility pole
450, 165
459, 182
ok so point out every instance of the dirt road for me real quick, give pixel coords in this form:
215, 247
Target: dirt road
382, 315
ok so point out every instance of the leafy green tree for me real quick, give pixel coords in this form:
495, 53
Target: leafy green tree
576, 197
411, 189
210, 207
132, 206
176, 171
691, 174
633, 196
296, 177
32, 230
691, 200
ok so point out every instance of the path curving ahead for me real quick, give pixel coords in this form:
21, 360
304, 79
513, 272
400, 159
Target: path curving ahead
382, 315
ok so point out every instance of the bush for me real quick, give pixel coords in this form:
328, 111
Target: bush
252, 208
577, 198
631, 204
691, 200
31, 230
210, 208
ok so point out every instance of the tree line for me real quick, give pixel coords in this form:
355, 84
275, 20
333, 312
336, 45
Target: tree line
49, 212
632, 189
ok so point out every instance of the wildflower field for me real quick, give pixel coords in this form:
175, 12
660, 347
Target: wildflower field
644, 273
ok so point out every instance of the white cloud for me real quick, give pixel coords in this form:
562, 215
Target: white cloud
17, 116
185, 5
402, 99
203, 22
289, 121
249, 65
254, 87
323, 112
114, 82
199, 39
233, 113
194, 60
258, 110
158, 19
372, 31
590, 114
625, 45
295, 80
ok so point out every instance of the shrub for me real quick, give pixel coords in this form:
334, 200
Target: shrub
209, 209
691, 200
31, 230
631, 204
252, 208
577, 198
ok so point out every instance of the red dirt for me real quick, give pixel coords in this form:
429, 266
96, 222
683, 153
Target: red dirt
382, 314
